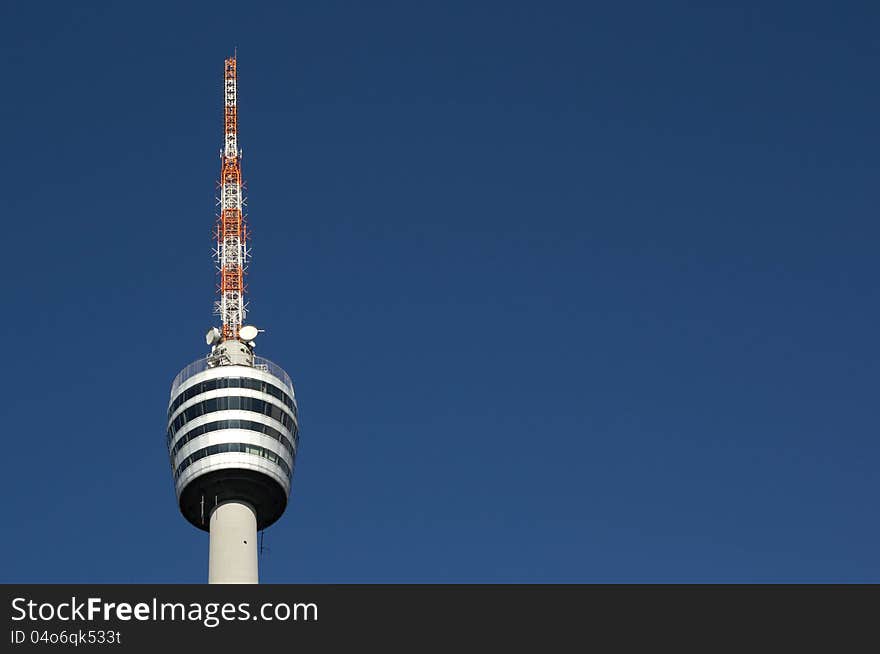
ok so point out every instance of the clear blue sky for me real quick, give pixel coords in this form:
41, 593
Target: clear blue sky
570, 291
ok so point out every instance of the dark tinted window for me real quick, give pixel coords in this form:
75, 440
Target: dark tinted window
256, 450
232, 382
225, 403
235, 424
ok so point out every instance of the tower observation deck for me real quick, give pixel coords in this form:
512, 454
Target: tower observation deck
233, 424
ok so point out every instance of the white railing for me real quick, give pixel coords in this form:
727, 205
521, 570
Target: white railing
202, 364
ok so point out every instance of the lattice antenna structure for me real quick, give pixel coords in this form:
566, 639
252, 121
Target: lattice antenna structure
232, 253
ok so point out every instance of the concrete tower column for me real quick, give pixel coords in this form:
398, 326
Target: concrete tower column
232, 558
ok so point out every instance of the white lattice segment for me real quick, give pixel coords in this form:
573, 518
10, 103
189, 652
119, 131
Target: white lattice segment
230, 93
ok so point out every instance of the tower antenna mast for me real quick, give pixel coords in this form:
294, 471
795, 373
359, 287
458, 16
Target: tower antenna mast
232, 252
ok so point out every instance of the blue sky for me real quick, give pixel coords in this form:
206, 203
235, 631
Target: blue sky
570, 291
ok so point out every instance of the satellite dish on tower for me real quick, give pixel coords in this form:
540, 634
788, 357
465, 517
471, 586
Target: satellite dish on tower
213, 336
248, 333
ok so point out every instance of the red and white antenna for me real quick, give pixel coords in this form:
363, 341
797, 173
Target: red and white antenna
231, 253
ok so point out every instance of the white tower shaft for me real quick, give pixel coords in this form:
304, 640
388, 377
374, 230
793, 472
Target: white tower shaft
232, 557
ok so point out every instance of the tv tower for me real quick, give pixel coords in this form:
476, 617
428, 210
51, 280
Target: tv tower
233, 424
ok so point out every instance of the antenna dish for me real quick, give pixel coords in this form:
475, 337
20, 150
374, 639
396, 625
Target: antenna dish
213, 336
248, 333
